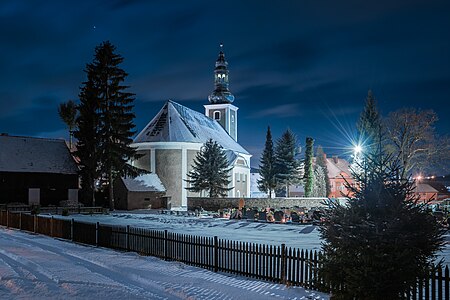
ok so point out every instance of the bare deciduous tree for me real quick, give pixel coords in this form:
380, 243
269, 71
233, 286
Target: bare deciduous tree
411, 136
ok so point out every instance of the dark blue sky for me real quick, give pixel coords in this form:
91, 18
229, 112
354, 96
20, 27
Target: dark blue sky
306, 65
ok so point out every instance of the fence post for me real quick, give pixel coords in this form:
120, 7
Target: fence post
20, 220
128, 237
283, 264
71, 228
96, 234
7, 218
216, 254
34, 223
166, 243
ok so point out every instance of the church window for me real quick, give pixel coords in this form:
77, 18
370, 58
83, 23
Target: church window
232, 118
237, 177
217, 115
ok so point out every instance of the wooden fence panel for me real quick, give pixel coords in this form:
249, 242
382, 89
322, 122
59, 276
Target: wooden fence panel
14, 220
84, 233
27, 222
43, 225
3, 217
61, 229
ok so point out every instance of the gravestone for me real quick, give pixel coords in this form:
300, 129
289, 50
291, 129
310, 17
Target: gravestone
278, 216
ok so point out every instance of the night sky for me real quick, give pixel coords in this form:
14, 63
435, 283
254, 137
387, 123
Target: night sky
306, 65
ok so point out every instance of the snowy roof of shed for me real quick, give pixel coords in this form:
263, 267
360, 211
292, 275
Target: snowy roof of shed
35, 155
144, 183
177, 123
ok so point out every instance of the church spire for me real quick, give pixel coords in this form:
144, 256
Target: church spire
221, 93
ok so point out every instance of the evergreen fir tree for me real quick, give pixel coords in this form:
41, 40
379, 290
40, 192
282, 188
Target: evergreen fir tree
383, 240
68, 113
267, 167
321, 161
210, 171
369, 125
88, 141
287, 166
309, 172
113, 108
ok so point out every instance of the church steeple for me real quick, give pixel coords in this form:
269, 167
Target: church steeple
220, 107
221, 93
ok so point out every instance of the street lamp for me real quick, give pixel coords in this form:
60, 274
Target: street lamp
357, 149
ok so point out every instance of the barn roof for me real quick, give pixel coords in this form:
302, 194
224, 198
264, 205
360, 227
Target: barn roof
35, 155
144, 183
177, 123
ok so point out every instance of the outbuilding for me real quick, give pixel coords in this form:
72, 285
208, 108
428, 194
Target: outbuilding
143, 192
36, 171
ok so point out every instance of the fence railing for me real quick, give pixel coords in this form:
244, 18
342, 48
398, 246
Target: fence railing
281, 264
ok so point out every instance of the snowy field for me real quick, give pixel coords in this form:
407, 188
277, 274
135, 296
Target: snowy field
39, 267
298, 236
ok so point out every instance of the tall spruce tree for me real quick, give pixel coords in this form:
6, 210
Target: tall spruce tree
287, 166
210, 171
68, 113
369, 125
321, 161
88, 141
113, 106
268, 182
309, 171
383, 240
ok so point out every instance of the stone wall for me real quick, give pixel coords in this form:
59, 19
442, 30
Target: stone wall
214, 204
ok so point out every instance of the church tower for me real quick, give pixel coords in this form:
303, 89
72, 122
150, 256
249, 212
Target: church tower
220, 107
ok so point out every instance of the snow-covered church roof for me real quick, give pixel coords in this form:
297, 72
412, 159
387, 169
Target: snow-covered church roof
38, 155
177, 123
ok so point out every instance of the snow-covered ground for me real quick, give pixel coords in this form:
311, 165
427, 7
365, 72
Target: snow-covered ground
39, 267
298, 236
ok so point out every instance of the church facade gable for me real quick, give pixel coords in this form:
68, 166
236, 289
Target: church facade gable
172, 139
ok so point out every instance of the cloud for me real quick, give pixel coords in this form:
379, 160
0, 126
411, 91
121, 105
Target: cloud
280, 111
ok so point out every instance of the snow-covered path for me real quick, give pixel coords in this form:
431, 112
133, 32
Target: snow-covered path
39, 267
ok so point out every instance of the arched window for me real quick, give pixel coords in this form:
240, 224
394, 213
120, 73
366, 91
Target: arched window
217, 115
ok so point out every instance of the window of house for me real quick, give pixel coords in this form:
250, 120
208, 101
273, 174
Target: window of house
217, 115
237, 177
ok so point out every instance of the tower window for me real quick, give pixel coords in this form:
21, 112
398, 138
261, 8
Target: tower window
217, 115
232, 118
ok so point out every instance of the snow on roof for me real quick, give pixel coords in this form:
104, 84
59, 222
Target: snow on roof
144, 183
424, 188
336, 166
177, 123
35, 155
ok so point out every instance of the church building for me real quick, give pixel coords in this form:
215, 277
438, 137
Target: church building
171, 140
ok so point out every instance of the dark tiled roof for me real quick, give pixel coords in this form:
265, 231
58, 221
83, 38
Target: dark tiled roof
35, 155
